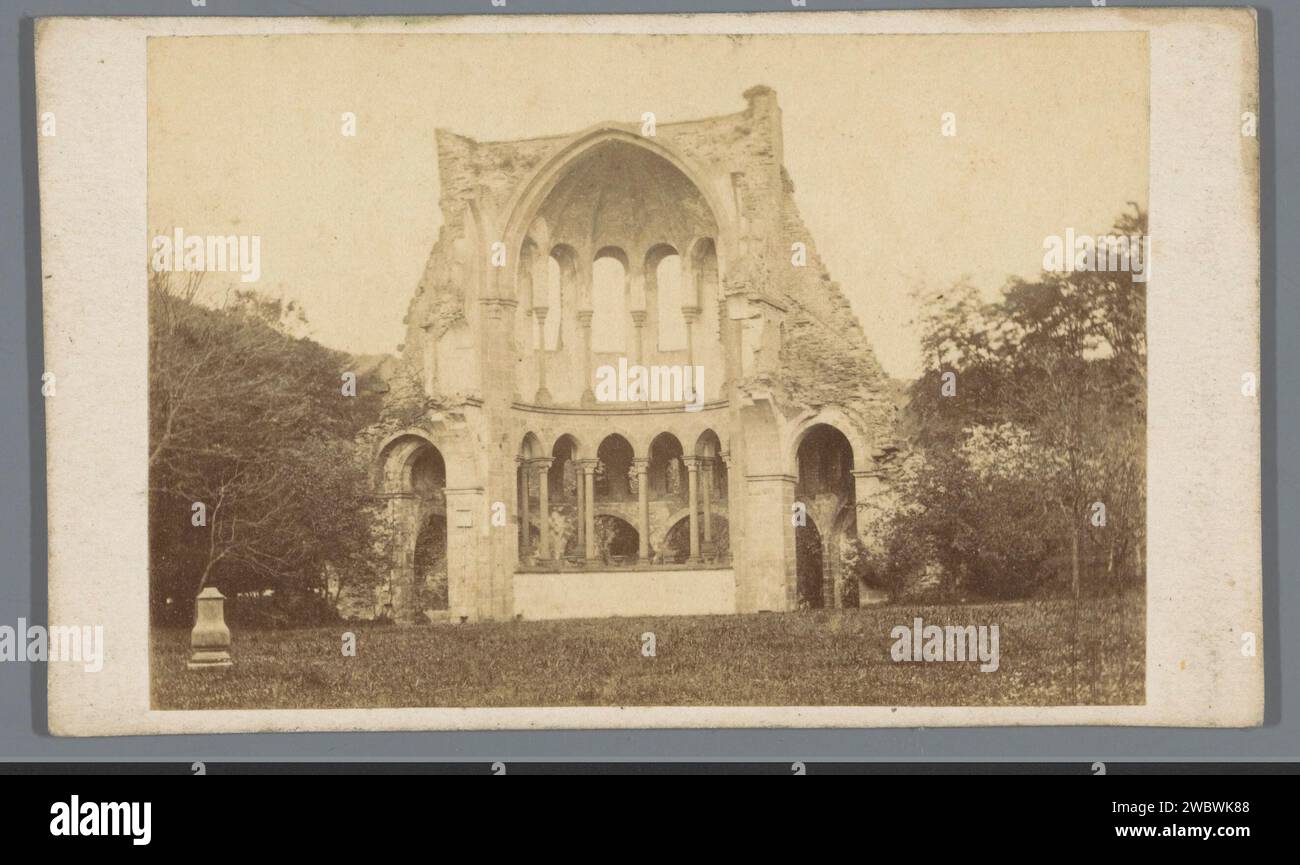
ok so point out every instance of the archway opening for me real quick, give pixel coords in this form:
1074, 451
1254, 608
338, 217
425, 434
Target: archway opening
431, 562
825, 463
677, 542
612, 481
565, 480
715, 542
616, 539
664, 298
666, 472
413, 479
528, 496
609, 320
825, 488
429, 475
429, 551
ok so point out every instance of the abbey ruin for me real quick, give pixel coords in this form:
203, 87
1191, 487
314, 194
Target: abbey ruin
515, 492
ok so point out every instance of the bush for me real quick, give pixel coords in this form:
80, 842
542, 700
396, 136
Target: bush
987, 529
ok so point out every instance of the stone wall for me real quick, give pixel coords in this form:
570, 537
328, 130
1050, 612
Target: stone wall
781, 340
595, 594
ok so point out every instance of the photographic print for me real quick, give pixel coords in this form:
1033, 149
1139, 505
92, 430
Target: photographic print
711, 372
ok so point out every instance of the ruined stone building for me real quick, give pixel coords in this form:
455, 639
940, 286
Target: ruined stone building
516, 492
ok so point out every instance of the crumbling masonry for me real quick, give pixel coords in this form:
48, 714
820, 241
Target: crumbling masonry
515, 492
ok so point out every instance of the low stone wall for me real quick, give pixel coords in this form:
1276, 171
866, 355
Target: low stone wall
633, 592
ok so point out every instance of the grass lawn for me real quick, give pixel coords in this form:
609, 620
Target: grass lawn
791, 659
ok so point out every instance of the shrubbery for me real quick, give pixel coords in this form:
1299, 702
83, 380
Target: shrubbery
1027, 475
250, 421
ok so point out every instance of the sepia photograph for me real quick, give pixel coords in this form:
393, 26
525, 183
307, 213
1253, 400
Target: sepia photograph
736, 371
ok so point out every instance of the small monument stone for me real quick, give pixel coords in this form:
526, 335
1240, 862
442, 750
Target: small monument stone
210, 639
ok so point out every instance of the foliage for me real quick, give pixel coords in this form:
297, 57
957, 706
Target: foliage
1048, 418
252, 422
856, 561
979, 511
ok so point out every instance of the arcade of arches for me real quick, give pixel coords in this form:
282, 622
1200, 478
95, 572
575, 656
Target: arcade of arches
617, 508
515, 491
619, 261
661, 508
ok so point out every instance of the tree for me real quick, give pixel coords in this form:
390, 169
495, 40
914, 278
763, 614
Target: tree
976, 510
1051, 382
251, 423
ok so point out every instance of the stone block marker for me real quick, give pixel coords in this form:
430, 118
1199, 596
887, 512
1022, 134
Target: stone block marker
210, 639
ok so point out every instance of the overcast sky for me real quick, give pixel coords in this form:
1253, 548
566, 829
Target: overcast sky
1052, 133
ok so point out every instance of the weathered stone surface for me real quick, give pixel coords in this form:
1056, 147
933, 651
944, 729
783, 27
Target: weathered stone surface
210, 637
701, 219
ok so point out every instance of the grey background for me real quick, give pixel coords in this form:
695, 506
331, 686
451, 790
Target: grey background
23, 545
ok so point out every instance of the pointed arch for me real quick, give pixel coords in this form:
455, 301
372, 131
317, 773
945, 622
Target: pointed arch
834, 417
524, 204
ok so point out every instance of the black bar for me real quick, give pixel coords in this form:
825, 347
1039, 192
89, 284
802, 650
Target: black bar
984, 801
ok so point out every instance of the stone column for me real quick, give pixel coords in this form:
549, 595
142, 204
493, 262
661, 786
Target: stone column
724, 459
769, 541
526, 541
543, 466
579, 496
539, 280
693, 492
706, 484
584, 321
543, 395
692, 315
643, 507
589, 509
